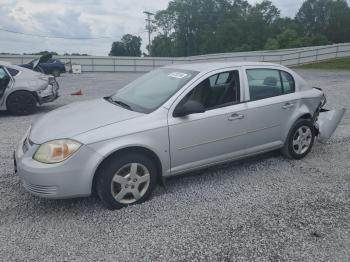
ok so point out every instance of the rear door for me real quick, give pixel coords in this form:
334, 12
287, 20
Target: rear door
271, 103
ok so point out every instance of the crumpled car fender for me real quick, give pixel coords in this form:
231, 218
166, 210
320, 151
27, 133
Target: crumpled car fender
328, 122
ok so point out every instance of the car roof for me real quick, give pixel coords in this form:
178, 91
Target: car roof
8, 64
202, 67
24, 70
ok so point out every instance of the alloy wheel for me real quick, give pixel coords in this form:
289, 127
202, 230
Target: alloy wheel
130, 183
302, 140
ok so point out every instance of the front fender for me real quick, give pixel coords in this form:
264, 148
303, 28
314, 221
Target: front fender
301, 111
156, 140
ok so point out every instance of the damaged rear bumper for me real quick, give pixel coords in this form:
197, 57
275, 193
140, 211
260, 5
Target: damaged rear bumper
327, 122
48, 94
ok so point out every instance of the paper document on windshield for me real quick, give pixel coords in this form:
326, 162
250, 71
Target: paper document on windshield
178, 75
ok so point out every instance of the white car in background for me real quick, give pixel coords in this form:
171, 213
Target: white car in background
21, 89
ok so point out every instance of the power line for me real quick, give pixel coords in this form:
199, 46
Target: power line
56, 37
62, 37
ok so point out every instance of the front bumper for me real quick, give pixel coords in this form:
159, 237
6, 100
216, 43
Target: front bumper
49, 94
70, 178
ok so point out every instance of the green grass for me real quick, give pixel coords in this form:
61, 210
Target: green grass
339, 63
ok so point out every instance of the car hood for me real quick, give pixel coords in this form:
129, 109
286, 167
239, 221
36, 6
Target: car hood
77, 118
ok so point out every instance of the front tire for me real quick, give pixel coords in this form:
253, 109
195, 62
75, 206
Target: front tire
126, 180
300, 140
21, 103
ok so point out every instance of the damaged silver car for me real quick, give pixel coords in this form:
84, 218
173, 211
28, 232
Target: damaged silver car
21, 89
170, 121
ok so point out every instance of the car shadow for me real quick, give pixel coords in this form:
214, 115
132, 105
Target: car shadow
47, 108
226, 167
207, 175
5, 114
39, 110
79, 205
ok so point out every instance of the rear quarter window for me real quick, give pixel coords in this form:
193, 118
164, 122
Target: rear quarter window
13, 72
288, 82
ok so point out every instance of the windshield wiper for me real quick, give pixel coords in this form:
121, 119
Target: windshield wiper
118, 102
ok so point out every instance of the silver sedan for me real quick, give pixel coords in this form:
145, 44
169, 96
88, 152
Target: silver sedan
171, 121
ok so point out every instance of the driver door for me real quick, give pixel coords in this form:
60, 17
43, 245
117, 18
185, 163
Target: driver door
197, 140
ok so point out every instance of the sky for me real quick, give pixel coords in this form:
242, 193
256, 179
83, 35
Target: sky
83, 19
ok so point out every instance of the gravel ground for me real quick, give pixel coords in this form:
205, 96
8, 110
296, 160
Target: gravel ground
264, 208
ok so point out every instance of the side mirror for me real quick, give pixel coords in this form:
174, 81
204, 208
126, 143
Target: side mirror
190, 107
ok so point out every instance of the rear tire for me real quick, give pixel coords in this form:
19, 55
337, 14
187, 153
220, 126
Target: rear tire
21, 103
300, 140
126, 180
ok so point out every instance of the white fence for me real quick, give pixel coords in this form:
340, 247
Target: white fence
288, 57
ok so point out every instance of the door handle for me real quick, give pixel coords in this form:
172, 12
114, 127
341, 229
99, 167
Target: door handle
288, 105
235, 117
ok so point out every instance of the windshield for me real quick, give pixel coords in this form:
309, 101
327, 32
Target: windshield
150, 91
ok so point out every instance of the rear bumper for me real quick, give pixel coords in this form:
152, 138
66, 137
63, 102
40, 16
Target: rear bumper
327, 122
49, 94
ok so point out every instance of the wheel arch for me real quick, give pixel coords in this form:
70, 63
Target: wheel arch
33, 93
131, 149
306, 116
288, 148
304, 112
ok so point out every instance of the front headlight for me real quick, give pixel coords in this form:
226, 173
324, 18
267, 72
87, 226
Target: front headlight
56, 151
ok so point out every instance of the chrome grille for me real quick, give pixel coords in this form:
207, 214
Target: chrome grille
44, 190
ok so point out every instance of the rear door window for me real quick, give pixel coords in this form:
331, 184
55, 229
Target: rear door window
265, 83
287, 82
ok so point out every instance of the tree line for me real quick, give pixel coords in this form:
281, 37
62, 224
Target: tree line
195, 27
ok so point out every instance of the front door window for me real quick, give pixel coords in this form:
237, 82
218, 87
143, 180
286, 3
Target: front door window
217, 91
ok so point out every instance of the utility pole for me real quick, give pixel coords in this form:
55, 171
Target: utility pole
149, 28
